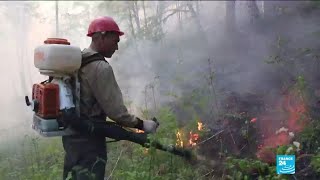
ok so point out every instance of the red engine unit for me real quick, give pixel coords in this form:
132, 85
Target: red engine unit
47, 100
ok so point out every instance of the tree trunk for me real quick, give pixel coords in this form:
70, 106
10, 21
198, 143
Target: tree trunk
135, 10
131, 20
230, 16
195, 16
197, 7
270, 8
179, 15
254, 12
57, 18
196, 19
160, 9
145, 17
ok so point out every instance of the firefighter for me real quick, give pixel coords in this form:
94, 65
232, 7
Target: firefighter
100, 97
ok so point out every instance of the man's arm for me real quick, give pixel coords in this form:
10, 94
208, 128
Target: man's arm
108, 94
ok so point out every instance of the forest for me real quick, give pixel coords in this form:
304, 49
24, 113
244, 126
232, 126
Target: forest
235, 83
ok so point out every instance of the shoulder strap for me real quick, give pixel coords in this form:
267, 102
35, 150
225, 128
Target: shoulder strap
86, 59
92, 58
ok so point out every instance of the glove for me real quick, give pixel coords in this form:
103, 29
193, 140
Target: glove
150, 126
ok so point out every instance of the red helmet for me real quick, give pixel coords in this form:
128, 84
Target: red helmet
103, 24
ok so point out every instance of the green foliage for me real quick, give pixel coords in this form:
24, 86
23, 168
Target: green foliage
301, 83
140, 163
39, 158
316, 3
251, 168
166, 132
279, 55
316, 33
309, 138
315, 163
34, 159
246, 168
152, 164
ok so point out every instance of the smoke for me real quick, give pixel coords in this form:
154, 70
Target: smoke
150, 71
240, 59
20, 34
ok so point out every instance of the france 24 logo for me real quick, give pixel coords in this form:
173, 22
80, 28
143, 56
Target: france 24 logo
286, 164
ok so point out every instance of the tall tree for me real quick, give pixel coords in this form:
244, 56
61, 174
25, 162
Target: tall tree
57, 18
254, 13
134, 9
144, 15
130, 21
230, 16
196, 19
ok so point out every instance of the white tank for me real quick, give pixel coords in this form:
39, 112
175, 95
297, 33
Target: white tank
57, 56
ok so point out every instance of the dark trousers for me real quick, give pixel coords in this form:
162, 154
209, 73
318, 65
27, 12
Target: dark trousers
85, 157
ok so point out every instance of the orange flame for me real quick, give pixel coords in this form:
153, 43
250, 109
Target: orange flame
179, 141
193, 138
139, 131
296, 121
146, 151
296, 108
200, 126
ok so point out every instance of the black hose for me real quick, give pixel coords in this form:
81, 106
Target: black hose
112, 130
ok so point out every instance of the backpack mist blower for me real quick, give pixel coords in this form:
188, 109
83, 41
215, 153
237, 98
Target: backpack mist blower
55, 102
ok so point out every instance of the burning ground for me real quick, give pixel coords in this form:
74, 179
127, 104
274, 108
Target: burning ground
250, 132
257, 101
236, 94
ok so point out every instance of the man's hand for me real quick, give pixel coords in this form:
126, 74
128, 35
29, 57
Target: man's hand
150, 126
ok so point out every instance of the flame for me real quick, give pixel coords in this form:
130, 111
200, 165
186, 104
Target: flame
296, 108
282, 138
193, 138
295, 111
139, 131
200, 126
146, 151
179, 141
